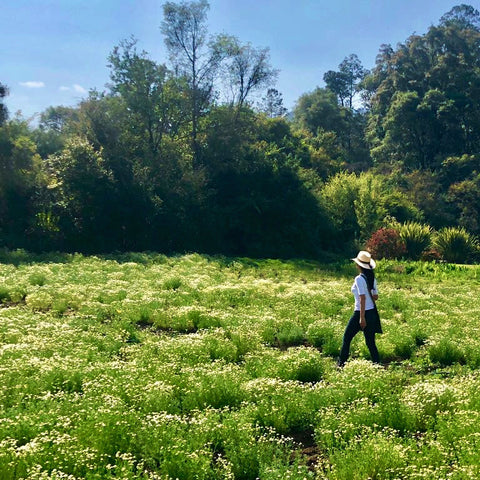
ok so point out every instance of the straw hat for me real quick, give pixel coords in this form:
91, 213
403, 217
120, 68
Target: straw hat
364, 260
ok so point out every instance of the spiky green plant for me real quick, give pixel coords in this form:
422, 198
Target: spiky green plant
417, 238
456, 245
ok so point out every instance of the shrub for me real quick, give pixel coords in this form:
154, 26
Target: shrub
386, 243
456, 245
302, 364
427, 400
324, 337
431, 255
417, 238
445, 352
173, 283
38, 279
4, 294
284, 334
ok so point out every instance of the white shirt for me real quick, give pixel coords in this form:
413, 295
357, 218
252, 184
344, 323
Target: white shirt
359, 287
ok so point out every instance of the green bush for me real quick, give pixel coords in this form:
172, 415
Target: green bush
173, 283
417, 238
302, 364
325, 337
445, 352
4, 294
456, 245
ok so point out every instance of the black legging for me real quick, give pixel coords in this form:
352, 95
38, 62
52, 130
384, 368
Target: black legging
353, 327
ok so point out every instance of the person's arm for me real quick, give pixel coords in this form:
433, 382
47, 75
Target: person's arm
363, 322
375, 291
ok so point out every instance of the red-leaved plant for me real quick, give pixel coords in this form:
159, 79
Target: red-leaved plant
386, 243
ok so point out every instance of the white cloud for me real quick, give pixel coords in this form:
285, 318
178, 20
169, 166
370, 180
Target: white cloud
80, 89
74, 88
32, 84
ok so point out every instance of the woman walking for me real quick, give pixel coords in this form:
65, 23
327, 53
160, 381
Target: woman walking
365, 316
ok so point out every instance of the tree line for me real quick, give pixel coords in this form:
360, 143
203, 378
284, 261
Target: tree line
199, 153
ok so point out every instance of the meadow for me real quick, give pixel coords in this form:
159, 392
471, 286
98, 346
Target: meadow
143, 366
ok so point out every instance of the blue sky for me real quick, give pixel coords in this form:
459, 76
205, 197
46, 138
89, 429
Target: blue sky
53, 51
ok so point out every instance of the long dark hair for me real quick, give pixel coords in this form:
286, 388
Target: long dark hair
370, 276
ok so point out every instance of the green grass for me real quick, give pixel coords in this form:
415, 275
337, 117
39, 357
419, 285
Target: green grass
142, 366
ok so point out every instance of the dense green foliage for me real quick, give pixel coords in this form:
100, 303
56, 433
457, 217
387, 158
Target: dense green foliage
179, 157
417, 238
142, 366
455, 245
3, 109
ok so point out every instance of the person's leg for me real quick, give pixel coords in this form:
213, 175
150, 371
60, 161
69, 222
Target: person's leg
353, 327
372, 347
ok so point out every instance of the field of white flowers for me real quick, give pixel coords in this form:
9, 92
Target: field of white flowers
144, 366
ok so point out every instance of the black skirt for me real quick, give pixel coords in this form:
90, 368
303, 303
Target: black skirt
373, 320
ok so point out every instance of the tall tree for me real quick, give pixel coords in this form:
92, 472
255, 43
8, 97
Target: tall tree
272, 104
346, 82
193, 56
248, 69
336, 82
462, 16
85, 199
353, 71
57, 119
3, 108
425, 100
56, 124
319, 110
19, 169
465, 196
150, 95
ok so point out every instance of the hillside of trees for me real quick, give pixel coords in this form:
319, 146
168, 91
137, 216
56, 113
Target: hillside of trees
199, 154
